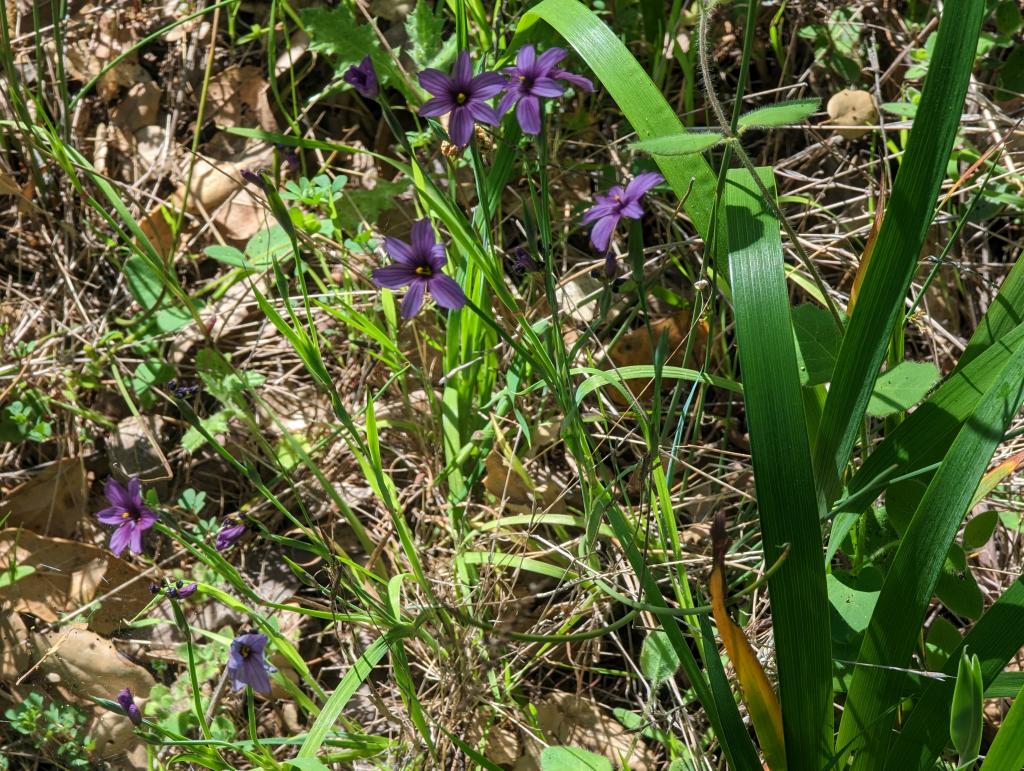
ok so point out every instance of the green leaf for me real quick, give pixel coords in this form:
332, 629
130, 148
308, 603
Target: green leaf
979, 529
14, 574
965, 717
957, 587
1006, 753
901, 387
145, 284
781, 114
572, 759
910, 582
784, 482
852, 601
658, 659
428, 45
996, 638
217, 423
229, 255
817, 341
686, 143
943, 638
335, 33
149, 373
894, 259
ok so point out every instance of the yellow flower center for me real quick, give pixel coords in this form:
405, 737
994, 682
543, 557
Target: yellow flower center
461, 98
424, 270
126, 515
245, 650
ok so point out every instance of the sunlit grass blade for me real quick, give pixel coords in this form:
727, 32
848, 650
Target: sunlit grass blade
782, 471
910, 582
996, 638
1005, 313
1006, 753
898, 246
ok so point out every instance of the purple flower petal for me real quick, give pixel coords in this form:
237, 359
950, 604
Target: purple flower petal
435, 82
146, 519
550, 58
508, 101
641, 184
399, 251
446, 292
422, 236
601, 235
483, 113
439, 105
247, 664
136, 539
579, 81
528, 114
394, 276
228, 534
487, 84
135, 491
436, 258
113, 515
460, 127
526, 57
633, 210
462, 72
117, 494
599, 210
413, 298
127, 702
120, 539
547, 87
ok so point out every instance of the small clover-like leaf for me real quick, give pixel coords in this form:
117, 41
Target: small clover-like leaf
781, 114
684, 143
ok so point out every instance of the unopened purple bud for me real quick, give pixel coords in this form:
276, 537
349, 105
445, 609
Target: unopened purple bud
233, 529
363, 78
180, 590
127, 702
254, 178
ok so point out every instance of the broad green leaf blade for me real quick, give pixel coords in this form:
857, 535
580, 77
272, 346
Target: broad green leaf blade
637, 97
572, 759
1006, 752
781, 114
895, 254
995, 639
901, 387
782, 471
910, 582
1005, 313
685, 143
925, 435
658, 659
817, 343
344, 691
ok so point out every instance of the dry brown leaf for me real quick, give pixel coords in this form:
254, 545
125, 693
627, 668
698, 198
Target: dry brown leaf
15, 653
637, 347
850, 107
67, 576
580, 722
86, 664
50, 503
85, 56
135, 448
238, 97
8, 185
139, 108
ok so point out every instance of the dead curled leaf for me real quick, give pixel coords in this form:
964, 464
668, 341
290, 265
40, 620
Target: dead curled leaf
638, 346
52, 502
67, 575
851, 107
577, 721
86, 664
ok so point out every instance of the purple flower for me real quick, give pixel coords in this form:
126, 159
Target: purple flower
247, 664
233, 529
128, 512
533, 77
363, 78
463, 96
127, 702
255, 178
418, 266
616, 204
181, 590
